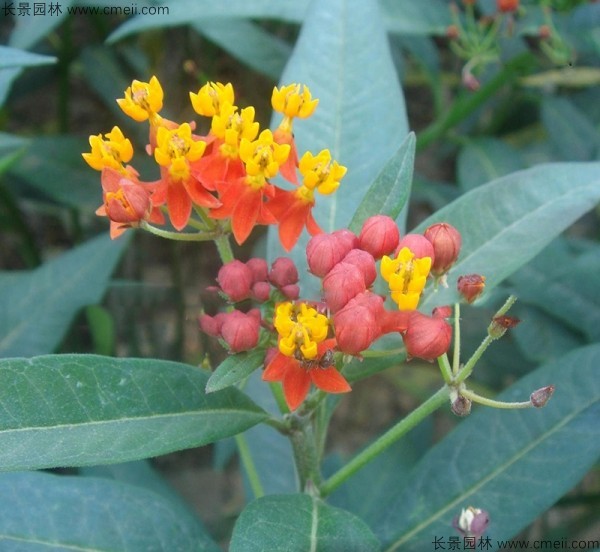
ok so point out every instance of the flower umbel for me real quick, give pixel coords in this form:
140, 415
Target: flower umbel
406, 277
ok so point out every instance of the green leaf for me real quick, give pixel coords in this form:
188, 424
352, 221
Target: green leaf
51, 512
183, 12
37, 307
409, 17
299, 522
506, 222
234, 369
573, 136
78, 410
391, 189
248, 43
11, 58
11, 148
53, 166
102, 329
485, 159
30, 29
361, 116
514, 464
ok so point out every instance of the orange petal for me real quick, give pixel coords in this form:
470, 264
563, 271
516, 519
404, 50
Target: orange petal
296, 385
292, 224
179, 204
199, 195
275, 370
329, 380
245, 214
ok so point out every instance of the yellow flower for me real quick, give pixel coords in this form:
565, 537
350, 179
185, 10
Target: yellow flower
262, 157
176, 149
111, 151
406, 277
231, 126
321, 172
293, 100
143, 100
300, 329
211, 98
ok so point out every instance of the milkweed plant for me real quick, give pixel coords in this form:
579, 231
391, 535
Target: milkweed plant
338, 292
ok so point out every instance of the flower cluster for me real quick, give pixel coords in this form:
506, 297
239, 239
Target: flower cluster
223, 176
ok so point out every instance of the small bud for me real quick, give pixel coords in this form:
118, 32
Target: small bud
211, 325
365, 262
261, 291
469, 81
357, 323
472, 522
379, 236
235, 280
446, 241
544, 32
471, 286
241, 330
342, 283
540, 397
259, 268
283, 272
461, 406
500, 324
291, 291
419, 245
442, 312
324, 251
505, 6
427, 337
452, 32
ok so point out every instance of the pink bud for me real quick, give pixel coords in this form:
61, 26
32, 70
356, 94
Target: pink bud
357, 324
379, 236
471, 286
442, 312
418, 244
540, 397
324, 251
365, 263
283, 272
291, 291
343, 282
235, 279
259, 268
210, 325
446, 241
427, 337
261, 291
241, 331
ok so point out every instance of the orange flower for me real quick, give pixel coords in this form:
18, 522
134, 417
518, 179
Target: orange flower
296, 376
126, 202
177, 149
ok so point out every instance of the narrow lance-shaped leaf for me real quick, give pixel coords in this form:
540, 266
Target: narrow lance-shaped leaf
299, 522
391, 189
78, 410
57, 512
37, 307
513, 464
506, 222
234, 369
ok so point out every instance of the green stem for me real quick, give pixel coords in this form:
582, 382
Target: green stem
180, 236
249, 466
456, 352
224, 248
304, 446
444, 365
386, 440
467, 393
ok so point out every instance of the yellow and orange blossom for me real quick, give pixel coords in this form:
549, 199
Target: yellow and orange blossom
293, 100
143, 100
109, 152
211, 98
300, 328
262, 158
176, 149
406, 277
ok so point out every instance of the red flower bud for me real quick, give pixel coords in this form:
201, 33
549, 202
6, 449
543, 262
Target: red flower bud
427, 337
283, 272
442, 312
500, 324
343, 282
379, 236
540, 397
211, 325
452, 32
261, 291
472, 522
291, 291
365, 262
418, 244
471, 286
241, 331
131, 203
446, 243
235, 279
324, 251
544, 32
353, 337
507, 5
259, 268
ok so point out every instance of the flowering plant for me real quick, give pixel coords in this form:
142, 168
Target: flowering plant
338, 294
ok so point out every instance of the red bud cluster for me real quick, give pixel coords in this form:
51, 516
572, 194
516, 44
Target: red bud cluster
446, 242
239, 330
